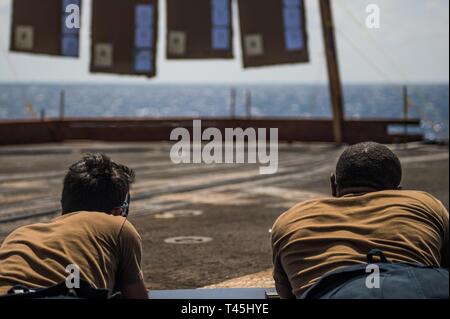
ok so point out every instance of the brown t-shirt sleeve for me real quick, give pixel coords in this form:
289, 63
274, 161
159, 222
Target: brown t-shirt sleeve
130, 256
445, 246
282, 284
445, 254
441, 212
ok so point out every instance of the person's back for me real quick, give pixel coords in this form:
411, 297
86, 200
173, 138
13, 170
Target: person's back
100, 246
368, 211
92, 237
319, 236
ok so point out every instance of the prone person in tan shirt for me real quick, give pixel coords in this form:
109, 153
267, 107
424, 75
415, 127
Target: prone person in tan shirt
368, 211
92, 235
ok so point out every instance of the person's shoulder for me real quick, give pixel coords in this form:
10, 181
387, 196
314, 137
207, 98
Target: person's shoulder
17, 233
97, 221
94, 218
421, 199
421, 196
129, 233
117, 225
296, 211
128, 227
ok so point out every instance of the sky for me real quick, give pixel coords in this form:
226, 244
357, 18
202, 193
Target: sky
411, 46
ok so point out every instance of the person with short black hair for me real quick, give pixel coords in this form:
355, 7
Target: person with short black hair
367, 167
96, 184
92, 236
368, 211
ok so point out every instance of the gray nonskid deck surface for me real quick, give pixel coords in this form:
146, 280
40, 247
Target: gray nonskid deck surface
234, 205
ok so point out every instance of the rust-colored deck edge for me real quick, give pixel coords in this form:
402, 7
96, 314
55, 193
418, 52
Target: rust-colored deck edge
159, 129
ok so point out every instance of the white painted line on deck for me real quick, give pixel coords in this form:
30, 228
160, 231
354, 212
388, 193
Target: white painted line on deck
424, 158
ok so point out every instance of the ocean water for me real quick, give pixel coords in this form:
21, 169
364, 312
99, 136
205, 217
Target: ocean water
430, 103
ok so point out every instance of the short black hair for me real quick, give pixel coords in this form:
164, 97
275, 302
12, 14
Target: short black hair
95, 183
368, 164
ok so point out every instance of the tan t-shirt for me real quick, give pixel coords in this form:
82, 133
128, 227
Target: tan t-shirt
319, 236
106, 249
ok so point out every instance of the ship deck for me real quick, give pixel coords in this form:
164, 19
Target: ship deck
231, 204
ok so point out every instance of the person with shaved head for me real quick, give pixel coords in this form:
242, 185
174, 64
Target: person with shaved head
368, 214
